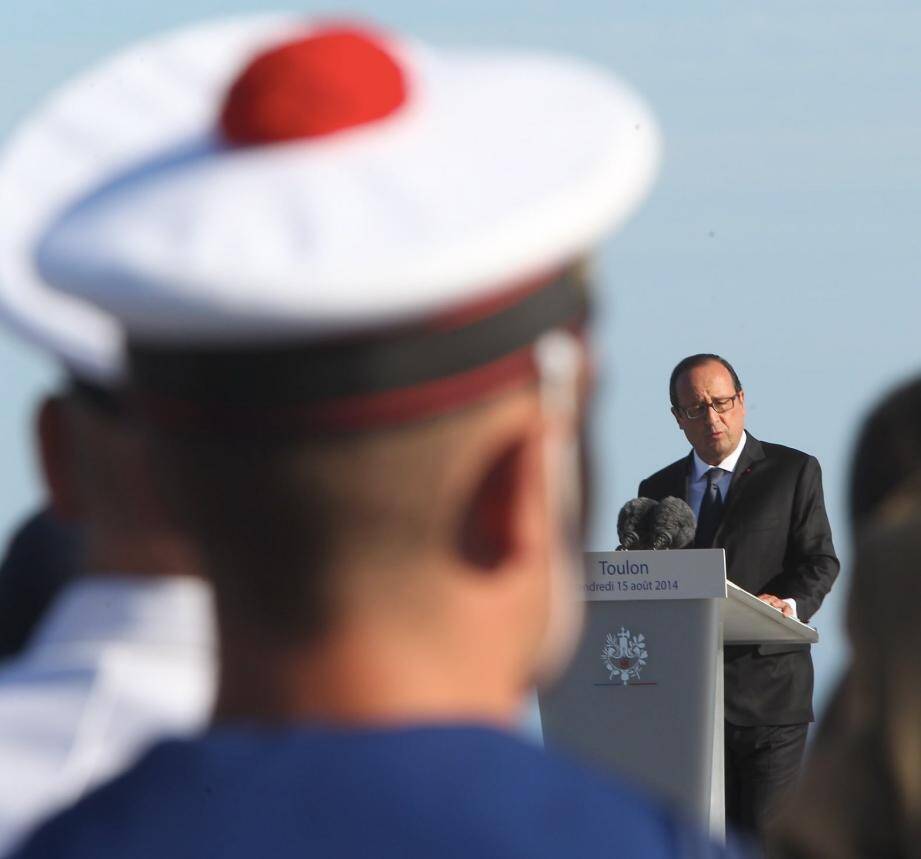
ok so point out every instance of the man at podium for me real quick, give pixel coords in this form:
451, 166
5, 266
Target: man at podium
763, 504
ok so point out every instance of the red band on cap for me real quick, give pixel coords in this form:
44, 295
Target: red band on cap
337, 78
346, 414
425, 401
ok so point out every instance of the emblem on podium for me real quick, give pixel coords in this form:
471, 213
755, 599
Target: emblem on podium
624, 655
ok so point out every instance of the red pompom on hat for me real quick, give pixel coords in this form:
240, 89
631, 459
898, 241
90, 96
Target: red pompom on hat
336, 78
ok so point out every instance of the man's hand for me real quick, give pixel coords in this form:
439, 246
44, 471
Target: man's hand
777, 603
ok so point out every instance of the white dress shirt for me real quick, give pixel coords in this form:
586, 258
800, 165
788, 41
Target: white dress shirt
118, 662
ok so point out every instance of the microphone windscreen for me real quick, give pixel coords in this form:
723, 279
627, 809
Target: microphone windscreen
673, 524
633, 523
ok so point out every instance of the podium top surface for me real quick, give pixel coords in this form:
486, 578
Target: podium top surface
690, 574
748, 620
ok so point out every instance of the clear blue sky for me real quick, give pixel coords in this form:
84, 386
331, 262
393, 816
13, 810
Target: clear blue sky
782, 234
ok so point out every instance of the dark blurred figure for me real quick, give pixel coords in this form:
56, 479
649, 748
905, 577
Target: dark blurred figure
888, 451
860, 795
887, 456
43, 555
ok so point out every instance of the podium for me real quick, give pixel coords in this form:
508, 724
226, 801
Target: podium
643, 695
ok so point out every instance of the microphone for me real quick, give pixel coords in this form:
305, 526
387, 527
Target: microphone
633, 524
673, 524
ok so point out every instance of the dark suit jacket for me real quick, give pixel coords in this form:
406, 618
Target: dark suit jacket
777, 539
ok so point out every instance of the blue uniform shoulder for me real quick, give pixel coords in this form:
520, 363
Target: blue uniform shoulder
415, 792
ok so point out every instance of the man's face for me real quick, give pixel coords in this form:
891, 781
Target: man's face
714, 436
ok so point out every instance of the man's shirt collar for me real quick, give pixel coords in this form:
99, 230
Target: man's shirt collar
700, 468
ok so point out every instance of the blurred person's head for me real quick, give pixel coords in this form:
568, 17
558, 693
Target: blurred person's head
441, 539
887, 452
709, 405
363, 381
861, 790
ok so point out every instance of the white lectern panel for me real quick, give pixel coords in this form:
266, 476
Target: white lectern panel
748, 620
649, 575
644, 692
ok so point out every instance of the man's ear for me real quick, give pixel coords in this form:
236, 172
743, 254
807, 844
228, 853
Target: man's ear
57, 451
490, 518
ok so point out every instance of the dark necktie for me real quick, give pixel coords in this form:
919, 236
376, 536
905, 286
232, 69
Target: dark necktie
711, 510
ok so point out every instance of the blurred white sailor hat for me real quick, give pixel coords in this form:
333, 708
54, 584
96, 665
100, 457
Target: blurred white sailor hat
354, 228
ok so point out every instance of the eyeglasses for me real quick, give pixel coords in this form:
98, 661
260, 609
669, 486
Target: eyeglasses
692, 413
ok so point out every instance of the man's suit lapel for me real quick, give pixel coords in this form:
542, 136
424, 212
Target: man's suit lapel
680, 480
751, 455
